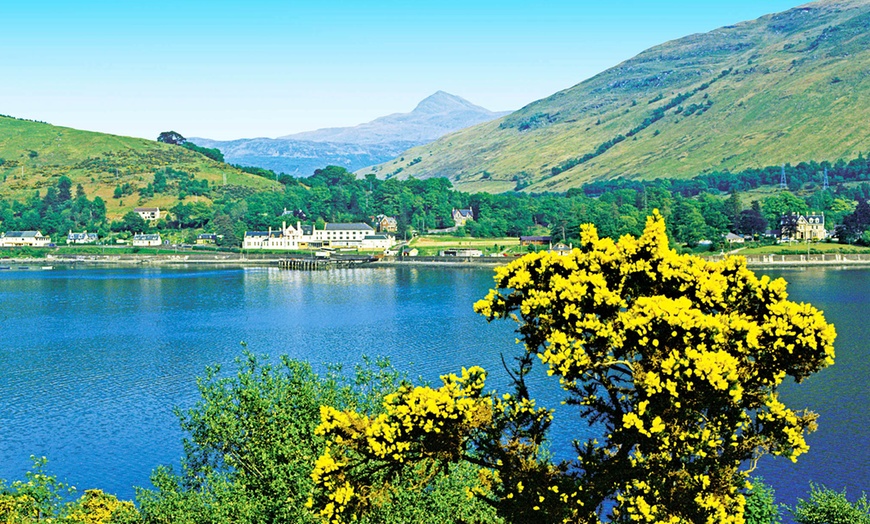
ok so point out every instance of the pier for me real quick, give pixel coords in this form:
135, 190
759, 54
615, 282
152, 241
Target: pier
316, 264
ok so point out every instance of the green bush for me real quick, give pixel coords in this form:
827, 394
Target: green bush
250, 450
761, 506
826, 506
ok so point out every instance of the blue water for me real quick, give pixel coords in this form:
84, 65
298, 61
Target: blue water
93, 361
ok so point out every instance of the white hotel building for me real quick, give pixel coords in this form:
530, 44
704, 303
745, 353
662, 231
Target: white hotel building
358, 235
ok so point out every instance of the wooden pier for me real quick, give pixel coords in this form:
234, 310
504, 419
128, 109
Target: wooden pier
317, 264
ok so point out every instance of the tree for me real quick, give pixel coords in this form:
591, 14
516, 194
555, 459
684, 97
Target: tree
64, 189
674, 359
783, 203
751, 222
171, 137
855, 224
134, 223
159, 181
689, 226
223, 227
733, 206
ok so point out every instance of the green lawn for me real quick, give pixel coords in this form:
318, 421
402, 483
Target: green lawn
430, 245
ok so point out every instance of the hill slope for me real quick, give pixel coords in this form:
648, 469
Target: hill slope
786, 87
33, 155
355, 147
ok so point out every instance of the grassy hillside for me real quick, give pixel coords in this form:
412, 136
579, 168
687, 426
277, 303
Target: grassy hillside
34, 155
783, 88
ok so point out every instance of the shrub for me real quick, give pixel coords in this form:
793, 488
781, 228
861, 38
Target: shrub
674, 359
826, 506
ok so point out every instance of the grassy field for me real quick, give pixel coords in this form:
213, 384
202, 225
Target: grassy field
430, 245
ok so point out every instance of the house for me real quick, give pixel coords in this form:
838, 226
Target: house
385, 224
461, 216
343, 234
795, 226
379, 242
24, 238
146, 240
535, 240
148, 213
206, 239
731, 239
561, 249
81, 238
286, 238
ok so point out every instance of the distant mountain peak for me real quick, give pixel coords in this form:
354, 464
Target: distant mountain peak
443, 102
436, 115
359, 146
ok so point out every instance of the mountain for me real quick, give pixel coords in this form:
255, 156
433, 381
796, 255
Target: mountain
355, 147
786, 87
434, 117
33, 155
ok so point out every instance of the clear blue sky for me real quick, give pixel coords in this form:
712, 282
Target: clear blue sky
226, 70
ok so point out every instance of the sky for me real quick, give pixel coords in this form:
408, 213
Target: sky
263, 68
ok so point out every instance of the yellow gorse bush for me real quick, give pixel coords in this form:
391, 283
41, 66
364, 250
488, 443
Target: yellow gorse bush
677, 358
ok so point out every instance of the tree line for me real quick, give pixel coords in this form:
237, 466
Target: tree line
694, 209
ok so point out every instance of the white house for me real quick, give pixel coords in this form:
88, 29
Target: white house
461, 216
288, 237
344, 234
24, 238
561, 249
803, 227
143, 240
731, 238
81, 238
378, 242
148, 213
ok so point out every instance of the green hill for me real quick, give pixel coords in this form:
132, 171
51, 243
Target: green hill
33, 155
786, 87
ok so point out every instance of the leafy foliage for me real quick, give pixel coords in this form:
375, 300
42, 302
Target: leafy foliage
826, 506
55, 213
212, 153
761, 507
251, 448
171, 137
676, 359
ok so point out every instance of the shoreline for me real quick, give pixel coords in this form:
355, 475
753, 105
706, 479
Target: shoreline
273, 260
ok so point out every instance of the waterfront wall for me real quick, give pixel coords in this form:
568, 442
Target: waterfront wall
826, 259
278, 260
